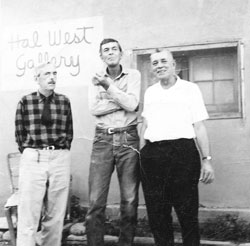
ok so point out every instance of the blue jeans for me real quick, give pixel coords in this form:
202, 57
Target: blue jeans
109, 151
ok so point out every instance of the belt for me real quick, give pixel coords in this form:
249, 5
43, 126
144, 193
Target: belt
50, 147
113, 130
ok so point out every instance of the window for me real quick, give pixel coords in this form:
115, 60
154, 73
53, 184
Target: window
216, 68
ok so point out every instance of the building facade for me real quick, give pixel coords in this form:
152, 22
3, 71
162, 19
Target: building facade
210, 40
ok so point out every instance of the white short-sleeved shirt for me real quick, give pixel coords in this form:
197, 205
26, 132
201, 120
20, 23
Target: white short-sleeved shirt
170, 113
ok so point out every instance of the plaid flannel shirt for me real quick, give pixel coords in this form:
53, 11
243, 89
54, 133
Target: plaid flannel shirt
30, 132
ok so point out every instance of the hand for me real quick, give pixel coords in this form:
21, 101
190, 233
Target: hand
101, 79
95, 81
207, 172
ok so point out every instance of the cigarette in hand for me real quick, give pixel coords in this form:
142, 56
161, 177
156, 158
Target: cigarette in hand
95, 81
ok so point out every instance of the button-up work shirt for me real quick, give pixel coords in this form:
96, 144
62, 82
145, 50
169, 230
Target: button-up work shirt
117, 106
30, 132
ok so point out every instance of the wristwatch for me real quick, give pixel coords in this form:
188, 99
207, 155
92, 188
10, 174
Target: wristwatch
207, 158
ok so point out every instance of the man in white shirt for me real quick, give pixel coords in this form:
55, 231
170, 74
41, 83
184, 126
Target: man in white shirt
171, 168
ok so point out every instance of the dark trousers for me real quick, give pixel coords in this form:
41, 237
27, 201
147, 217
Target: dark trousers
170, 174
110, 151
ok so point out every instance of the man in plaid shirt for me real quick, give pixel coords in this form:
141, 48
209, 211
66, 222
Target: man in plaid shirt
44, 133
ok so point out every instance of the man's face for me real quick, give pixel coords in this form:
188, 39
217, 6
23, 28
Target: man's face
48, 77
163, 65
111, 54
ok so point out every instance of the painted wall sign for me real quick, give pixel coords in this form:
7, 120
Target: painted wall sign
72, 45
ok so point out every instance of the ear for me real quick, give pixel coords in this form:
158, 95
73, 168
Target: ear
101, 56
36, 78
121, 55
174, 63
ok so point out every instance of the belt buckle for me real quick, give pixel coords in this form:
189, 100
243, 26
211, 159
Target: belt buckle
51, 147
110, 130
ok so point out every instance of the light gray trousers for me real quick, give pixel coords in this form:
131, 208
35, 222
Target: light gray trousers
44, 178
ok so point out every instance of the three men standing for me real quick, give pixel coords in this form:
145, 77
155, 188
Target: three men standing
173, 114
114, 101
173, 125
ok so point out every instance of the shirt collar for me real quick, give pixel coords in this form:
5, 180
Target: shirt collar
178, 80
124, 71
42, 97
